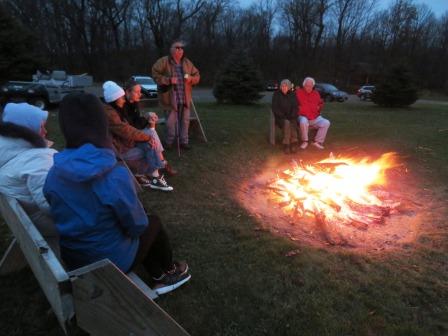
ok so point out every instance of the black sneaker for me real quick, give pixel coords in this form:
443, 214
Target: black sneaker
159, 183
171, 280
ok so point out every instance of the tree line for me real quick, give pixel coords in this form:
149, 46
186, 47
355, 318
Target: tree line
347, 42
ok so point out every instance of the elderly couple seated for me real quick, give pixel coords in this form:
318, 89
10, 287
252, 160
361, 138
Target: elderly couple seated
134, 137
302, 106
82, 201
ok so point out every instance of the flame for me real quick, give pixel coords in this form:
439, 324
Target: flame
339, 190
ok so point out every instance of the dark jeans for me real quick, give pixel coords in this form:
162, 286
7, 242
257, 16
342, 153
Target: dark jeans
154, 250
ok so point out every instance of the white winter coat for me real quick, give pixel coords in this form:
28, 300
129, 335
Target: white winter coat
23, 170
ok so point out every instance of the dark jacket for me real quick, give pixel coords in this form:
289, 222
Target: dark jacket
284, 106
131, 112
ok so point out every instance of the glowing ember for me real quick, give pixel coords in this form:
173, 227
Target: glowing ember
337, 191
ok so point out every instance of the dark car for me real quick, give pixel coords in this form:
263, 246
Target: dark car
365, 92
32, 93
329, 92
272, 85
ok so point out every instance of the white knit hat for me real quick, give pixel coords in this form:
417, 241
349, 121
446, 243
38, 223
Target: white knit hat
112, 91
25, 115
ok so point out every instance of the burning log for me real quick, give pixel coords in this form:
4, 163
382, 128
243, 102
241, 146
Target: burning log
336, 192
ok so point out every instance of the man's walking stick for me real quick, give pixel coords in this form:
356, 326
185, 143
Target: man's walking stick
180, 108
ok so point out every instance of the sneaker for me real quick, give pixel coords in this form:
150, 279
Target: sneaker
159, 183
318, 145
142, 180
170, 281
304, 145
180, 267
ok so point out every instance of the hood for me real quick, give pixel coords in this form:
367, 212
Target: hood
84, 163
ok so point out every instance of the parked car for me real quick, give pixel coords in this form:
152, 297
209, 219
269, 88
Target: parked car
45, 88
329, 92
149, 86
365, 92
272, 85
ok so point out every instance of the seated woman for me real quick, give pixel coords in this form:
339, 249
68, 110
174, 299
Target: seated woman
94, 203
284, 107
25, 161
132, 144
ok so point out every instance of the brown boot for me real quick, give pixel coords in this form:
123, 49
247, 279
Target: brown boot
168, 170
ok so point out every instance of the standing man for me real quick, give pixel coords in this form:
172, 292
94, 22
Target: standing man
310, 105
175, 76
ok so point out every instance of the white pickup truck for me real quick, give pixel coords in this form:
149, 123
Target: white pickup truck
45, 88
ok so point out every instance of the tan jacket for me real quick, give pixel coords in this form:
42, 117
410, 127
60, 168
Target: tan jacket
124, 135
163, 70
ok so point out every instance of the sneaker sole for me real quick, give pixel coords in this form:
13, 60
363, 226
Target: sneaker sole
160, 188
167, 289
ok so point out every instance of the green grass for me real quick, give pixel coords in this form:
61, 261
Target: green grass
242, 282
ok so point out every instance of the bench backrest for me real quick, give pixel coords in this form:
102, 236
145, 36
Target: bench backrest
49, 272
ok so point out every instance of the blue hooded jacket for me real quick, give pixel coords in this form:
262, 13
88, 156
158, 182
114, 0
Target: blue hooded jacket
95, 206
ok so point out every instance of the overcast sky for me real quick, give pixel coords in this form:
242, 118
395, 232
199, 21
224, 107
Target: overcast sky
439, 7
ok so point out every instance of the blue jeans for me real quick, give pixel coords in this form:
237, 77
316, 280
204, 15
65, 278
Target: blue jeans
146, 158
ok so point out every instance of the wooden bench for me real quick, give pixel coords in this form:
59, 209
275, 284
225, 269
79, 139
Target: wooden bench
97, 298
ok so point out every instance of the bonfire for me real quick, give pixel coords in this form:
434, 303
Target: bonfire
336, 192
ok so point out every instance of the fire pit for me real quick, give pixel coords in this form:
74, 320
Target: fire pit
344, 201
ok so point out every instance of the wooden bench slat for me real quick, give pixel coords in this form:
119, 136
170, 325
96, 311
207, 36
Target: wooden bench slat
107, 303
47, 269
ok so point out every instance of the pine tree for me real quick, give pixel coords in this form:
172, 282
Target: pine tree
396, 88
239, 82
17, 57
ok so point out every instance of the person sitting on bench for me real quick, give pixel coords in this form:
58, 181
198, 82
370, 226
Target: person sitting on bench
24, 163
95, 205
284, 107
132, 144
310, 106
131, 112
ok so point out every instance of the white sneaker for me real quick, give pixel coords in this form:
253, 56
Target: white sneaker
159, 183
318, 145
304, 145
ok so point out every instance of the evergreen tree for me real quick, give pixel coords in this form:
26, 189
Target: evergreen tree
17, 57
396, 88
239, 82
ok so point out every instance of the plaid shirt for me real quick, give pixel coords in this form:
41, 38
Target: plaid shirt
179, 90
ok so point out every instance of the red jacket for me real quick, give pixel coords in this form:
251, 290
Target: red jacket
310, 104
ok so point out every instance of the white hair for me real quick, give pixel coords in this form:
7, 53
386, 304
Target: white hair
309, 79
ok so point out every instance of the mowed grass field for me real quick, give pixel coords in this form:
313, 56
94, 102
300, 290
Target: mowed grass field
243, 284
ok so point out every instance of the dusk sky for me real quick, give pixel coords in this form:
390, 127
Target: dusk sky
439, 7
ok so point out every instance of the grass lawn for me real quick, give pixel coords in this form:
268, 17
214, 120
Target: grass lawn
243, 284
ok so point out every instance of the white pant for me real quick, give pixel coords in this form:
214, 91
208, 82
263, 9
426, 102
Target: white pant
320, 123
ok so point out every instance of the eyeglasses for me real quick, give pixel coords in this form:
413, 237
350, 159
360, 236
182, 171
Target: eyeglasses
179, 48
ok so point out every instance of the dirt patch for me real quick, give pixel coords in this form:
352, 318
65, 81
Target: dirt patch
418, 211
